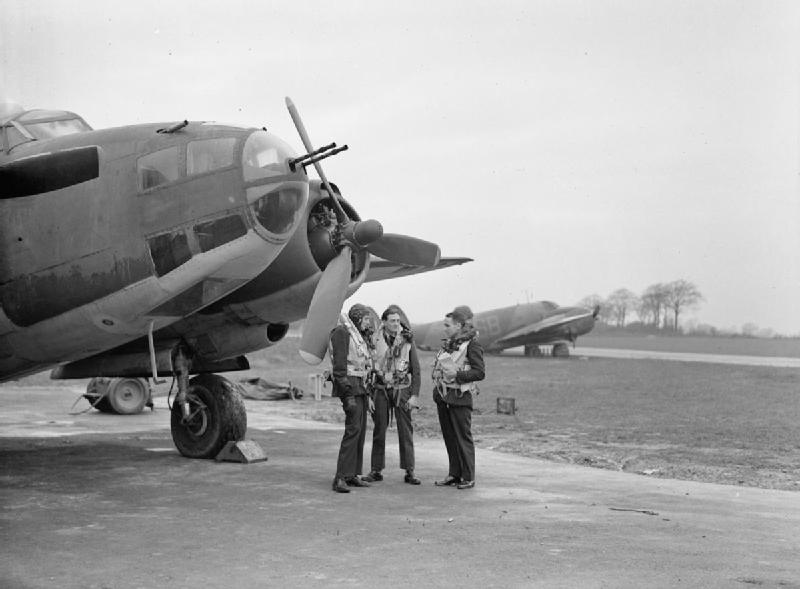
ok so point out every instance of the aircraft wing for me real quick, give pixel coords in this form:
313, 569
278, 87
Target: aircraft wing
380, 269
556, 320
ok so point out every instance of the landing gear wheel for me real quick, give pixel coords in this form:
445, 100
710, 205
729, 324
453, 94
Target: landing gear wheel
127, 396
533, 351
561, 351
216, 416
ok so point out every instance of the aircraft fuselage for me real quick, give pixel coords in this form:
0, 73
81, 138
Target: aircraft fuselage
531, 324
106, 234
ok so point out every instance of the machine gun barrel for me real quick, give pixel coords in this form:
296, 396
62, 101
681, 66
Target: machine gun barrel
174, 127
324, 155
302, 159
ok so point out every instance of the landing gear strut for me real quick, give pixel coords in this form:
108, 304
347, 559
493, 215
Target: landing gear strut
208, 411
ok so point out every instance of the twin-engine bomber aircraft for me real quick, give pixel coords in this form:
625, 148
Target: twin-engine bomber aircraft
530, 325
174, 249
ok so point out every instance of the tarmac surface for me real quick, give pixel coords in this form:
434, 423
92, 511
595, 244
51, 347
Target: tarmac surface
774, 361
102, 501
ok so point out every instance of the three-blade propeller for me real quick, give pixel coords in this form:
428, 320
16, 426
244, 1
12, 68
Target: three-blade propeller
326, 304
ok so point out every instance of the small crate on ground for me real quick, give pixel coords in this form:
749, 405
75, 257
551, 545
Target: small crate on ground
506, 405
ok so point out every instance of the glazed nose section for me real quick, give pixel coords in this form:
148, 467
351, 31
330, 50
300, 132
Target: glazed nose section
277, 209
276, 194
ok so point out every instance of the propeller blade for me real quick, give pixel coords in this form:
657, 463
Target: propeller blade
405, 250
301, 130
326, 304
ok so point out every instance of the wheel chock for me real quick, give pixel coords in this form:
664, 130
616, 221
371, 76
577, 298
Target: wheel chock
246, 451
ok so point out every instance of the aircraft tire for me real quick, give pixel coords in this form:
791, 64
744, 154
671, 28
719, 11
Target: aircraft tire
218, 416
532, 351
127, 396
560, 351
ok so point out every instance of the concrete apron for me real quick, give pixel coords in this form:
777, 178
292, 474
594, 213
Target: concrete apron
111, 509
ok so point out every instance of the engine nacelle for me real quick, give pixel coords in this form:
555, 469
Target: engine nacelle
234, 340
219, 350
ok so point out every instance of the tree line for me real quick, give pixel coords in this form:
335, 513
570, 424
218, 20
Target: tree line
660, 305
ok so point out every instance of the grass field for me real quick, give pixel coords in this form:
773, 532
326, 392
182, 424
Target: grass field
730, 424
736, 425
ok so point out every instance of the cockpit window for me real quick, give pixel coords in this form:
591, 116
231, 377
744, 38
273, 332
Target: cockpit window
209, 154
39, 114
40, 124
50, 129
158, 168
13, 137
264, 156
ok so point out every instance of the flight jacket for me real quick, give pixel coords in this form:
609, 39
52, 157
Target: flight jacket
474, 373
403, 393
344, 385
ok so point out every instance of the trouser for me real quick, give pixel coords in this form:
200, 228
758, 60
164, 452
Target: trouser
456, 424
405, 432
351, 451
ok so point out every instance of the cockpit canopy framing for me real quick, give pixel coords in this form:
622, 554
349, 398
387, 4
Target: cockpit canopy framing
37, 125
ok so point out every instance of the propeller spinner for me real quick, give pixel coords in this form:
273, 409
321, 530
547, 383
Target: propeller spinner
326, 304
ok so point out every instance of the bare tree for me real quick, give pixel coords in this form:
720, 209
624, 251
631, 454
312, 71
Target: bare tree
681, 294
652, 304
620, 302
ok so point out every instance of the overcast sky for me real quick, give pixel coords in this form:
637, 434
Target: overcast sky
570, 148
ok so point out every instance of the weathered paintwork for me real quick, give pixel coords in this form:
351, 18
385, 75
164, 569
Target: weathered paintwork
77, 275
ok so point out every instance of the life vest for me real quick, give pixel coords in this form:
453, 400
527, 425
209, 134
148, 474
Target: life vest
392, 362
359, 359
459, 358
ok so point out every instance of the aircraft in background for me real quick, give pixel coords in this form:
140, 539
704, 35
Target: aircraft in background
173, 249
530, 325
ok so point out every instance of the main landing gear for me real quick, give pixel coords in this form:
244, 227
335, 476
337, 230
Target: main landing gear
533, 352
208, 411
560, 350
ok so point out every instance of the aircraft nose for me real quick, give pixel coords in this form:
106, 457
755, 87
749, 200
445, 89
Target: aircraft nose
278, 209
276, 201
